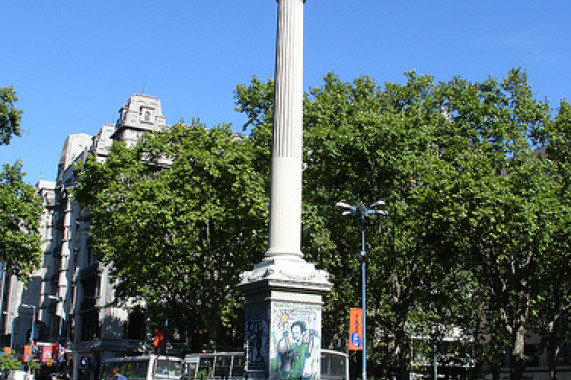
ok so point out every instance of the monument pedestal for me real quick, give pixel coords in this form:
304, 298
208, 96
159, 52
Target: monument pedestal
283, 318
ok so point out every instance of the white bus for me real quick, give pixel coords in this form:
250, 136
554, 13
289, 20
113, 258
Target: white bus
230, 366
144, 367
216, 365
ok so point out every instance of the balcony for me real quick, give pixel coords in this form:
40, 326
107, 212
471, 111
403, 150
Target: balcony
56, 250
59, 222
51, 306
90, 271
88, 304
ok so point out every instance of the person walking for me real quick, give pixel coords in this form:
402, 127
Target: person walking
118, 375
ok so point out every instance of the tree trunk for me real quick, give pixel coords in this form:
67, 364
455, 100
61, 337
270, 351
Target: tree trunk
517, 362
402, 349
404, 371
551, 355
211, 322
403, 364
517, 365
214, 330
496, 372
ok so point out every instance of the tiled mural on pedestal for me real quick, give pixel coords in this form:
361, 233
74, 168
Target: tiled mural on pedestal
295, 341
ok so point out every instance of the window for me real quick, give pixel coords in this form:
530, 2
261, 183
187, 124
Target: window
90, 326
136, 326
168, 369
145, 114
222, 367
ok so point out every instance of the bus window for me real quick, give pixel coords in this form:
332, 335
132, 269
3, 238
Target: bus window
338, 366
106, 373
168, 369
238, 366
136, 369
334, 365
222, 367
205, 366
190, 370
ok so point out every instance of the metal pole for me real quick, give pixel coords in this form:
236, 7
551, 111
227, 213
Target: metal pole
364, 292
435, 359
33, 327
32, 333
3, 282
165, 334
59, 335
363, 211
12, 334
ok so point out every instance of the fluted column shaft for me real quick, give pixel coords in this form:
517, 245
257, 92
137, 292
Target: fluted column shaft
287, 151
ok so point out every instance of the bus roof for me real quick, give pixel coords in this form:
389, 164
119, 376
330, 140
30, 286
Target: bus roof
142, 357
213, 354
196, 355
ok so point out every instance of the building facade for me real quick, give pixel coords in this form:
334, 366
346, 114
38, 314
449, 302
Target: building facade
72, 294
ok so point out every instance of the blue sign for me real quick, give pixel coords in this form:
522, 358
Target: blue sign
356, 339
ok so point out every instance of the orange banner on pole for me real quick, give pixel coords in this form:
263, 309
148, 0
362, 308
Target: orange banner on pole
55, 351
356, 329
27, 354
159, 342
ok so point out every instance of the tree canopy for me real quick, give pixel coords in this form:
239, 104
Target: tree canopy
10, 116
477, 235
478, 227
180, 216
20, 208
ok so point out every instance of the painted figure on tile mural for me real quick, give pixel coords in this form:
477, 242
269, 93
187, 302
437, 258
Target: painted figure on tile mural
295, 350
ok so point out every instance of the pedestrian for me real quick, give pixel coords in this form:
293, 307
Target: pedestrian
118, 375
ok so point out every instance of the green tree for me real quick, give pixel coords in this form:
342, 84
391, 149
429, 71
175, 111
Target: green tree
19, 220
361, 144
10, 116
492, 199
474, 235
557, 139
179, 217
20, 208
477, 234
7, 363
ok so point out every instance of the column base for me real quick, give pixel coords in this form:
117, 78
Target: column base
283, 318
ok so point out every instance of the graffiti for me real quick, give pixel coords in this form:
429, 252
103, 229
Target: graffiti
295, 347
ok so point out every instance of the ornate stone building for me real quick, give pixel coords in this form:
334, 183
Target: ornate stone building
72, 291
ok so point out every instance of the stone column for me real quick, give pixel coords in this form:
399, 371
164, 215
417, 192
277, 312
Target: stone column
287, 150
284, 292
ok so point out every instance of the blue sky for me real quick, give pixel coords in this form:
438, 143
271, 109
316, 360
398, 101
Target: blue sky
74, 63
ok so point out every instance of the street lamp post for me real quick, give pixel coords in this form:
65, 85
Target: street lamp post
12, 333
59, 299
33, 307
362, 211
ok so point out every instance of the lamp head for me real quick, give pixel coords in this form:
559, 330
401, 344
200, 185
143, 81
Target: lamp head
342, 205
377, 204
